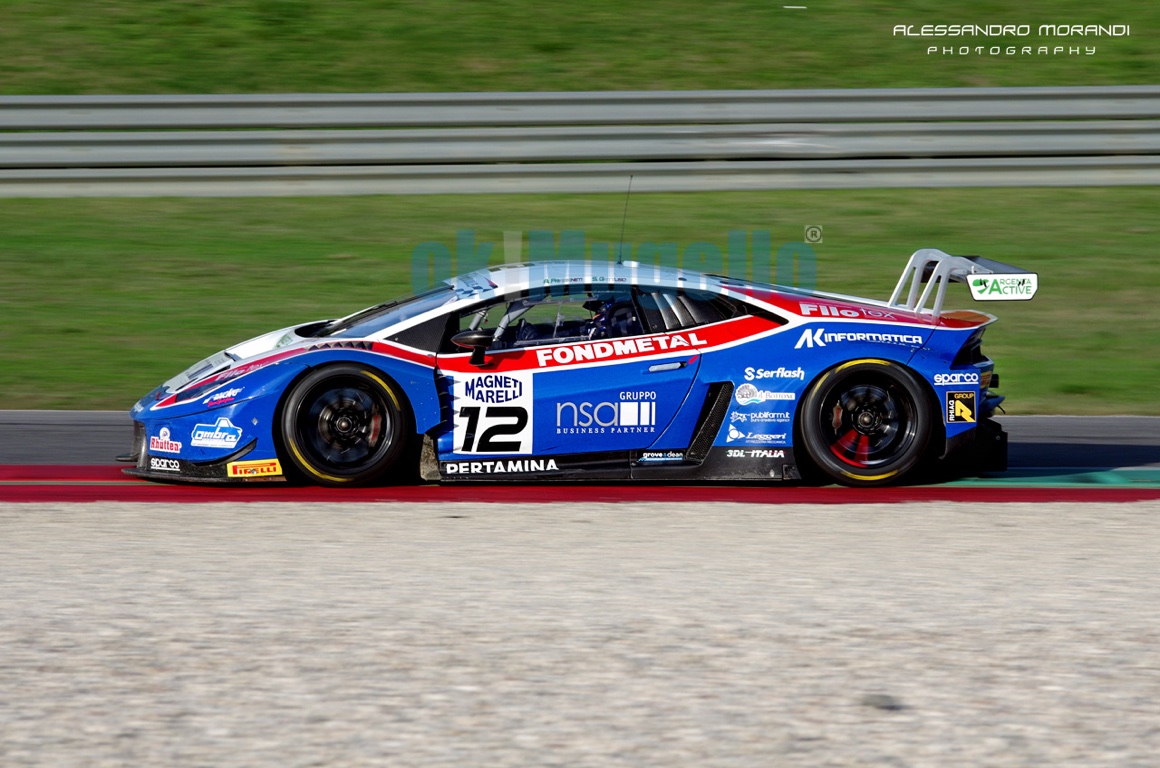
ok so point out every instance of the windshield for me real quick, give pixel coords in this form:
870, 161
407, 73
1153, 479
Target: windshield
374, 319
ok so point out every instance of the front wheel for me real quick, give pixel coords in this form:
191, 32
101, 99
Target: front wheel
866, 422
343, 425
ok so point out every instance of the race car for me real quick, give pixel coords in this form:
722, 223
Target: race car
599, 371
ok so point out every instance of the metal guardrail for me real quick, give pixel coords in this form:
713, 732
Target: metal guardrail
529, 145
504, 178
576, 142
389, 110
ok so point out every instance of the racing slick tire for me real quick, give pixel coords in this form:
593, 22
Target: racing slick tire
343, 425
867, 422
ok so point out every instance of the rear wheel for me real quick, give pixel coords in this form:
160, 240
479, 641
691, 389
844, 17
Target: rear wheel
866, 422
344, 425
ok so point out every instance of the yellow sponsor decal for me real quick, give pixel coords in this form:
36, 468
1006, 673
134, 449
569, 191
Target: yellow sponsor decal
960, 407
259, 468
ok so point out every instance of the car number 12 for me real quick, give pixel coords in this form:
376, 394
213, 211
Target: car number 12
492, 413
502, 420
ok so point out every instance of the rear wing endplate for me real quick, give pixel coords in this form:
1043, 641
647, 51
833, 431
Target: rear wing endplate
989, 280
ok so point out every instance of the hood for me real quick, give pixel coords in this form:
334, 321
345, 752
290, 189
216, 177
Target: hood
240, 353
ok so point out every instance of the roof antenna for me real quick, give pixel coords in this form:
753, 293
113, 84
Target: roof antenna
623, 221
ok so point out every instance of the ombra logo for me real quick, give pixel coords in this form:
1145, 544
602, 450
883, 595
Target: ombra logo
221, 434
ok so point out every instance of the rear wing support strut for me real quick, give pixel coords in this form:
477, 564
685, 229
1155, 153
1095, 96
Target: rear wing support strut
937, 269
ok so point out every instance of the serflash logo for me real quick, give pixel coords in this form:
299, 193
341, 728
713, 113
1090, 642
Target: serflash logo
781, 372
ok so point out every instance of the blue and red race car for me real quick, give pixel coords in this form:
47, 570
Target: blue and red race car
603, 371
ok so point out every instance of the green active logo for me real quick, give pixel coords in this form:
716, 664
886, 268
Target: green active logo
1004, 288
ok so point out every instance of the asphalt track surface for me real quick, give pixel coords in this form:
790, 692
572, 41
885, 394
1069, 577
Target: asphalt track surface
66, 456
1037, 442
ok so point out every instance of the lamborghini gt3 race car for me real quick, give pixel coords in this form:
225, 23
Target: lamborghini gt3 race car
585, 370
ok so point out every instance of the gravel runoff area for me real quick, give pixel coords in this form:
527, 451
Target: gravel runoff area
574, 635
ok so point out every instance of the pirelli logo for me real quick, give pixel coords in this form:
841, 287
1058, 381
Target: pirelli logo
260, 468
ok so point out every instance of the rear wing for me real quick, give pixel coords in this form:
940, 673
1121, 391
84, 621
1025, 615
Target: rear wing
989, 280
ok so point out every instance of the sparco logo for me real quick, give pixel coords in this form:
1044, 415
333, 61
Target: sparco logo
819, 338
164, 465
947, 379
493, 389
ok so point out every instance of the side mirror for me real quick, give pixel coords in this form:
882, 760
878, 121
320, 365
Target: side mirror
477, 341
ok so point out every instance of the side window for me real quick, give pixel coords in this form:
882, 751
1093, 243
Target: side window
669, 309
547, 322
534, 320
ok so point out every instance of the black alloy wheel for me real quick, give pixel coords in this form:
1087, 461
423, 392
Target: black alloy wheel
867, 422
344, 425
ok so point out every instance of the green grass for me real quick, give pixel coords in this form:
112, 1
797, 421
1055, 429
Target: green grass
103, 299
252, 46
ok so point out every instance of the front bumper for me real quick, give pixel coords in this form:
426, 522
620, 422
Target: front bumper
252, 459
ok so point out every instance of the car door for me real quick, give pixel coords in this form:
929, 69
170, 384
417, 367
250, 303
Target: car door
583, 373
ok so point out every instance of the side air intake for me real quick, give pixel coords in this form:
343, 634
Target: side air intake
710, 420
